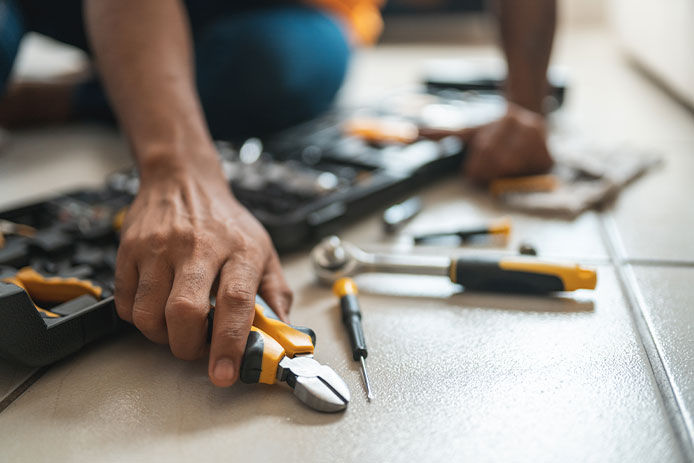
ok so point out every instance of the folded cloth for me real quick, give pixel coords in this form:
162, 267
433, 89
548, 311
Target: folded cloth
587, 175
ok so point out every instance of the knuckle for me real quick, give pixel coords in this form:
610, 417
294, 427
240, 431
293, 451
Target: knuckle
157, 241
239, 241
185, 235
236, 296
186, 309
128, 239
147, 321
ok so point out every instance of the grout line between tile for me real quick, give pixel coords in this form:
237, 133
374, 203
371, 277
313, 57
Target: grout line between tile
672, 398
658, 262
20, 389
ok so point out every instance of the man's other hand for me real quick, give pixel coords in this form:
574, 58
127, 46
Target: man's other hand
511, 146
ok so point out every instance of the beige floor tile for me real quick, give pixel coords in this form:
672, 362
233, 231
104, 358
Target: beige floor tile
655, 216
41, 162
668, 296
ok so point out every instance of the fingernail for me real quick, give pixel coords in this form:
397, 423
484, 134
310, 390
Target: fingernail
224, 370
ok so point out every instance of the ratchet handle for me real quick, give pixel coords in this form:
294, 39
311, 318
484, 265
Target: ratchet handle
520, 275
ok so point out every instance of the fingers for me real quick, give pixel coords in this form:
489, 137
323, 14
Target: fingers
187, 308
512, 146
125, 283
153, 288
275, 290
234, 310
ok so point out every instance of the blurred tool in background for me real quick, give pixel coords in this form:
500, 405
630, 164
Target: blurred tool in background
499, 227
398, 215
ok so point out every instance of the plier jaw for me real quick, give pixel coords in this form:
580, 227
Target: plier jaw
316, 385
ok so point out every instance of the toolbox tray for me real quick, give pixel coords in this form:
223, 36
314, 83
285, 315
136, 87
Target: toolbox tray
29, 339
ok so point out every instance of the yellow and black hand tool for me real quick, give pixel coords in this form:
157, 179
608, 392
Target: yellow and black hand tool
51, 289
334, 258
499, 227
72, 313
382, 129
278, 352
346, 289
527, 184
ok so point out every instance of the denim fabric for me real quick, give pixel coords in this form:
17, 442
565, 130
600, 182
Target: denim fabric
260, 66
11, 31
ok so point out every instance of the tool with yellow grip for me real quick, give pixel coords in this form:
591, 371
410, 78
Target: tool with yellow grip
499, 227
334, 258
522, 274
277, 352
51, 289
74, 314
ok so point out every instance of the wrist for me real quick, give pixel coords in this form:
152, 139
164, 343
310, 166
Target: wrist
163, 162
529, 93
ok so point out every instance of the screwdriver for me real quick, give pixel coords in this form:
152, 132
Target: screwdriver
346, 290
500, 226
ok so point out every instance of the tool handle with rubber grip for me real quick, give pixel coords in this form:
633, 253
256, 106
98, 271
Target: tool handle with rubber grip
351, 317
520, 275
346, 289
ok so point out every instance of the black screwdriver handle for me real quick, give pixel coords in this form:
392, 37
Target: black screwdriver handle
351, 317
346, 290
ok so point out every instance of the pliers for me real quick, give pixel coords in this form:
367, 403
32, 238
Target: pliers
278, 352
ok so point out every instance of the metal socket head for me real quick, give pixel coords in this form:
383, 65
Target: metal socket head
333, 258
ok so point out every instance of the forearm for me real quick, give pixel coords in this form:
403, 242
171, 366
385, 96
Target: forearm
527, 32
143, 52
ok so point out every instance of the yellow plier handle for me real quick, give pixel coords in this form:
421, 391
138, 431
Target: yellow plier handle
269, 341
51, 289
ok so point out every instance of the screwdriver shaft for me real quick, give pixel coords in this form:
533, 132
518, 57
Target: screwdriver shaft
369, 394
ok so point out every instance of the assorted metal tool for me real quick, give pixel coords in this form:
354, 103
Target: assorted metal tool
346, 290
333, 258
499, 227
397, 215
278, 352
12, 228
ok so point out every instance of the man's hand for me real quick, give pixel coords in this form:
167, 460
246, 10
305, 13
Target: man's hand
183, 236
512, 146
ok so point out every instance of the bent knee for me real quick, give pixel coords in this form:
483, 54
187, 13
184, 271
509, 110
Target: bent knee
269, 72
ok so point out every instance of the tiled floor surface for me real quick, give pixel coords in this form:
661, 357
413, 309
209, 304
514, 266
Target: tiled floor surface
593, 376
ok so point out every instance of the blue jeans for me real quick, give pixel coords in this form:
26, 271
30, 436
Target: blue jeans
260, 65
